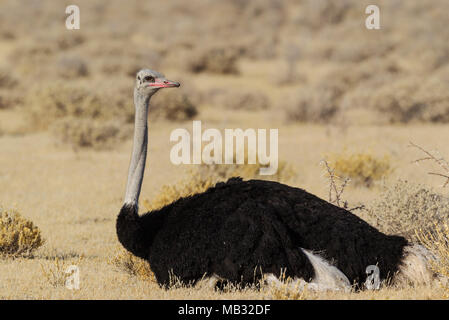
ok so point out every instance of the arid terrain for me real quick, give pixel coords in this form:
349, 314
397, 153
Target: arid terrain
335, 91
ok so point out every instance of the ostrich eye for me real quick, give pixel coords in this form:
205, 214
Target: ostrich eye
148, 79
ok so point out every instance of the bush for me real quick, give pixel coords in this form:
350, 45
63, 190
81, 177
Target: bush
405, 208
405, 100
317, 104
56, 101
45, 105
221, 59
317, 14
18, 236
237, 99
7, 79
88, 133
362, 168
174, 106
70, 67
438, 243
9, 99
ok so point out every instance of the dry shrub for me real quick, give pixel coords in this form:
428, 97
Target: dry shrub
359, 47
59, 100
237, 99
174, 106
7, 78
220, 59
88, 133
406, 100
319, 13
87, 117
317, 104
405, 208
71, 67
249, 100
363, 168
32, 58
67, 40
132, 265
9, 98
101, 101
288, 73
438, 243
18, 236
109, 58
337, 185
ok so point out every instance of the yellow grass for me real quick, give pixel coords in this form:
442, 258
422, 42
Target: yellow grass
369, 90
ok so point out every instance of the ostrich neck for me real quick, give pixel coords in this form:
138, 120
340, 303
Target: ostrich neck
139, 154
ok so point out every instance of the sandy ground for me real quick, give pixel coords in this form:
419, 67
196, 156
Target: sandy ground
74, 198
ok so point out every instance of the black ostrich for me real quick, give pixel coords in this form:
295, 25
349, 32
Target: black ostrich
239, 230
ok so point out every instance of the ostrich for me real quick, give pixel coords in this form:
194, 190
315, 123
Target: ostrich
243, 231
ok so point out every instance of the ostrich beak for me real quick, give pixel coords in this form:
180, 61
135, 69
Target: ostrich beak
164, 83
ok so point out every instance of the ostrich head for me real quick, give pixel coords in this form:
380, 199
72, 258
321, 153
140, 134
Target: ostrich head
149, 82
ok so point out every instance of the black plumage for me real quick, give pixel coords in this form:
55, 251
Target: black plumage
239, 229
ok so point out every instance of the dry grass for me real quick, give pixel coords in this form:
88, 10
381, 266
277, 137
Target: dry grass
55, 271
438, 243
135, 266
80, 221
262, 62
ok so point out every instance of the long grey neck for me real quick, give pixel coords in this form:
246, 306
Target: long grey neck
139, 155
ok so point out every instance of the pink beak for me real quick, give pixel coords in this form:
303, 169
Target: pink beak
164, 83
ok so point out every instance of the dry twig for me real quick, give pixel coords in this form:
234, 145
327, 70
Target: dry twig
438, 160
335, 192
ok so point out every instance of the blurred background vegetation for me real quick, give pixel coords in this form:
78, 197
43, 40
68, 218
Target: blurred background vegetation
302, 61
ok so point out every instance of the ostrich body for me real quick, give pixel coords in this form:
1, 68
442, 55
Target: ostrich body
239, 230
